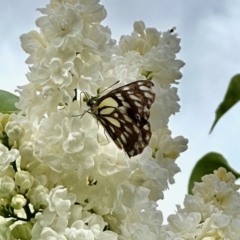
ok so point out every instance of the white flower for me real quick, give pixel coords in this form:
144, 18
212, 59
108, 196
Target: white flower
78, 230
165, 105
169, 70
150, 175
138, 231
91, 11
157, 166
35, 45
211, 228
55, 68
59, 201
65, 220
222, 194
128, 68
138, 41
108, 165
234, 230
185, 223
48, 224
67, 141
62, 24
158, 51
227, 177
93, 230
96, 40
7, 156
168, 146
20, 130
168, 235
194, 203
143, 214
49, 233
88, 77
31, 103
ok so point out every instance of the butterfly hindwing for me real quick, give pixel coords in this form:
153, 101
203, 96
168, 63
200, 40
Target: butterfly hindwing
124, 114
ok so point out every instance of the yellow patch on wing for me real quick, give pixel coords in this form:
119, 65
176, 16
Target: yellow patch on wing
108, 102
113, 121
106, 111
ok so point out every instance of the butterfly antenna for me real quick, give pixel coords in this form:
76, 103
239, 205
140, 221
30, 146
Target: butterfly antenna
109, 87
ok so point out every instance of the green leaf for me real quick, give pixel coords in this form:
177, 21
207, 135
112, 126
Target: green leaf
206, 165
7, 102
232, 96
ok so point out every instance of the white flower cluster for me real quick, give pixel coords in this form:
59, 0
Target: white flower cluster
58, 172
212, 212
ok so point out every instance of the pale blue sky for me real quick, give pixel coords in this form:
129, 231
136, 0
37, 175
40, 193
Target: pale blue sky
210, 48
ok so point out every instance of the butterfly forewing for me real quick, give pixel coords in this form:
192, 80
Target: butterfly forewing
124, 114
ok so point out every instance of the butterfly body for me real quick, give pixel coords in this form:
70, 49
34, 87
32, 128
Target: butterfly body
124, 113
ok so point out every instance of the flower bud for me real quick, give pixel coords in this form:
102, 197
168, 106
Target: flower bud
37, 196
18, 202
139, 26
4, 118
14, 130
26, 152
24, 180
7, 186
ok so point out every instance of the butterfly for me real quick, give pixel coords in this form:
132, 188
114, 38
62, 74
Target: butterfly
124, 114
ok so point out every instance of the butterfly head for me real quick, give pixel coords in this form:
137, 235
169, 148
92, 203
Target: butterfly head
90, 101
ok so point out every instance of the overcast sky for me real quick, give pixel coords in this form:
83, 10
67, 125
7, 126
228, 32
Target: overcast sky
210, 40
